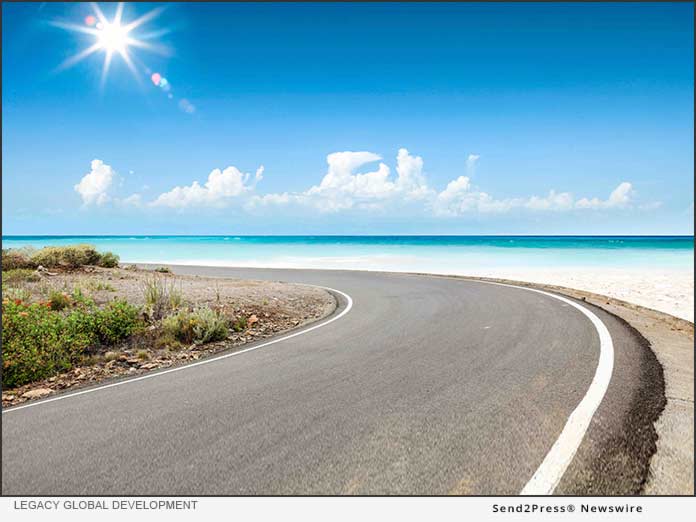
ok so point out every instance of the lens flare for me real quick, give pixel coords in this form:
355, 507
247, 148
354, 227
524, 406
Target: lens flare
156, 78
187, 106
112, 37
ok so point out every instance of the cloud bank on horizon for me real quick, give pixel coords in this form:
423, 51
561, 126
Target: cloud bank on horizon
349, 184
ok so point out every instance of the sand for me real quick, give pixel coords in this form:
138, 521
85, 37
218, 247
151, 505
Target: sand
668, 291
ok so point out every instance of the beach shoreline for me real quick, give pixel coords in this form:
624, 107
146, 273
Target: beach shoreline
651, 271
670, 291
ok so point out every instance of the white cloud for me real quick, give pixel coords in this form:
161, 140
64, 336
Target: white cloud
94, 186
343, 188
554, 201
455, 189
221, 187
620, 197
411, 179
460, 198
349, 185
134, 200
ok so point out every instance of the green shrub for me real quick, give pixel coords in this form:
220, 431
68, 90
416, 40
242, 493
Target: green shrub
47, 257
179, 325
203, 325
209, 326
59, 300
108, 260
82, 320
116, 321
80, 299
240, 324
38, 342
13, 258
163, 269
69, 256
73, 256
175, 299
16, 275
80, 255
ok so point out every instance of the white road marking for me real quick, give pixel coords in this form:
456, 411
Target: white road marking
199, 363
559, 457
554, 465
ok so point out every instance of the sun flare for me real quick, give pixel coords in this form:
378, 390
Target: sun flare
111, 37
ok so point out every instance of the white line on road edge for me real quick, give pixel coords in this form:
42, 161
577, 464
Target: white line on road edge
551, 470
199, 363
549, 473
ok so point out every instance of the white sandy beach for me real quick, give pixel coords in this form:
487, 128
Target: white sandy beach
668, 290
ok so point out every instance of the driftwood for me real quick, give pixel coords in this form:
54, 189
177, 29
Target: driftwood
44, 271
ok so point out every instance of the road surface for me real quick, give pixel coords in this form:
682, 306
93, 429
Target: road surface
428, 385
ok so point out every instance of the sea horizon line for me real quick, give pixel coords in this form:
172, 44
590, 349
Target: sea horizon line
38, 236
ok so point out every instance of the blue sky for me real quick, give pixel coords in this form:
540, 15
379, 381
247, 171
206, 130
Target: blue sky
365, 118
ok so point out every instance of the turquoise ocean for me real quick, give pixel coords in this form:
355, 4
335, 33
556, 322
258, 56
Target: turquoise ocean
444, 254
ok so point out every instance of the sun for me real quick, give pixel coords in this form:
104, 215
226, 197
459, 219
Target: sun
111, 37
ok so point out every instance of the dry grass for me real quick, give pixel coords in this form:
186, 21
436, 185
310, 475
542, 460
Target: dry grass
161, 297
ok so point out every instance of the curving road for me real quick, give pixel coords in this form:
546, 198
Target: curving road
429, 385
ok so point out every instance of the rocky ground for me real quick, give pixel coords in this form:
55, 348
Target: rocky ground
270, 308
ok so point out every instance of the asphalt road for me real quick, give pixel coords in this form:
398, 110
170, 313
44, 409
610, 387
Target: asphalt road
429, 385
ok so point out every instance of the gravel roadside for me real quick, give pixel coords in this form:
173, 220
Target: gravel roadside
268, 308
